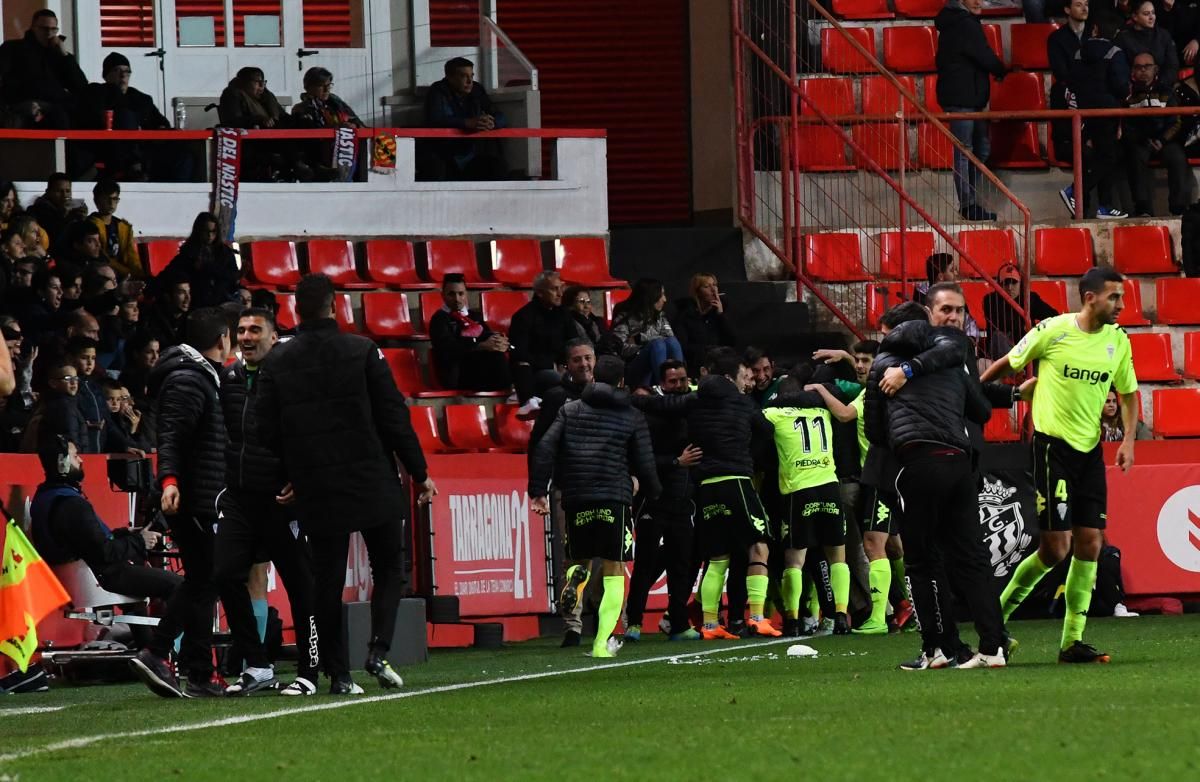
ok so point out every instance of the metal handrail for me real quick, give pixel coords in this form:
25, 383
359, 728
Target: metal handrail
488, 24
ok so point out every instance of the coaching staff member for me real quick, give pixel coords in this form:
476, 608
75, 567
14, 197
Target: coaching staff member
327, 404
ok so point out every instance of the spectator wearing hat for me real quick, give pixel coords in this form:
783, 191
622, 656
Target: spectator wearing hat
113, 104
1005, 323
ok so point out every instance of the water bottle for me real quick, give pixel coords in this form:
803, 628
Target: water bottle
180, 114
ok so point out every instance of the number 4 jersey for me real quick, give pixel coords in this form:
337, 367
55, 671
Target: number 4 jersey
804, 441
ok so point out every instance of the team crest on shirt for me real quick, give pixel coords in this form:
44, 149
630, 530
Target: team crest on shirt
1003, 525
1111, 350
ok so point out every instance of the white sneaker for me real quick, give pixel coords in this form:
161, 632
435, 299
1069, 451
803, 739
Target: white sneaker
664, 625
981, 660
1120, 610
614, 645
939, 660
301, 688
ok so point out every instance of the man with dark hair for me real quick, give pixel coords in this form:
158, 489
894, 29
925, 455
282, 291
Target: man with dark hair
54, 210
595, 443
40, 312
466, 353
664, 525
863, 355
1080, 356
82, 247
458, 101
103, 434
762, 372
191, 474
169, 316
38, 68
328, 406
539, 332
253, 521
1061, 47
116, 245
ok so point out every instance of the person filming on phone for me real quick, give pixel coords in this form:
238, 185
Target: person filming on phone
39, 68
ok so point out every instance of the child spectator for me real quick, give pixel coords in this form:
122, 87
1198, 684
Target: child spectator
117, 245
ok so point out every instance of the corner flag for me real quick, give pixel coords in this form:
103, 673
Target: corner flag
28, 592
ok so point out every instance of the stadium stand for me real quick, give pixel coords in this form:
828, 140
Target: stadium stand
1176, 412
274, 263
335, 259
1176, 299
1142, 249
392, 262
515, 262
1152, 359
1063, 252
447, 256
386, 315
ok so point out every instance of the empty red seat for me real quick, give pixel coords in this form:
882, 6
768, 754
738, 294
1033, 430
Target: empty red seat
1063, 252
989, 248
499, 306
831, 94
930, 90
911, 246
1053, 292
992, 33
1015, 144
392, 262
880, 96
1178, 300
454, 256
335, 259
974, 292
1132, 314
425, 424
431, 302
919, 9
838, 56
1143, 249
881, 142
156, 255
1028, 45
385, 315
819, 148
407, 372
1002, 427
1191, 355
612, 299
584, 261
285, 315
1152, 360
467, 428
511, 431
934, 148
1177, 412
343, 311
274, 263
910, 49
862, 9
833, 257
881, 297
515, 262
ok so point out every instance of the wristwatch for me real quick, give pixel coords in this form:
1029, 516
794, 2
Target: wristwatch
907, 369
675, 462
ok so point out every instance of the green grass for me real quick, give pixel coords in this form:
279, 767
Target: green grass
746, 711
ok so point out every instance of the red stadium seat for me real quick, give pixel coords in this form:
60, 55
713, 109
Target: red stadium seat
880, 299
931, 101
1152, 360
1132, 314
274, 263
1177, 412
156, 255
990, 248
335, 258
343, 312
862, 9
1191, 355
499, 306
1063, 252
584, 261
431, 302
834, 257
454, 256
838, 56
919, 9
974, 292
511, 431
1053, 292
1142, 249
1014, 143
1178, 298
880, 96
407, 372
992, 33
612, 299
1028, 44
934, 148
913, 246
285, 316
881, 141
1002, 427
385, 315
819, 148
515, 262
910, 49
424, 422
391, 262
831, 94
467, 428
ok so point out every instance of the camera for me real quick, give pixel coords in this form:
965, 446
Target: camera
130, 475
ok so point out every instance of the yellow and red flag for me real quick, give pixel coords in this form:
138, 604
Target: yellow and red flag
29, 591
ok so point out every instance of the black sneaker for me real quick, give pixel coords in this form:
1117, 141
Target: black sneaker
213, 687
248, 683
739, 628
841, 624
1079, 652
976, 212
345, 687
157, 674
33, 680
383, 672
791, 628
570, 638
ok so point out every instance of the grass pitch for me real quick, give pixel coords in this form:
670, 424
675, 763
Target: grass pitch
729, 710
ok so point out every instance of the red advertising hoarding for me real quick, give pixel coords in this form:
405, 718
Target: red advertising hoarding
1154, 518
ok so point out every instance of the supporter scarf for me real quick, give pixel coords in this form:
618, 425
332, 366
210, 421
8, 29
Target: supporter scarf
383, 154
227, 172
470, 328
345, 152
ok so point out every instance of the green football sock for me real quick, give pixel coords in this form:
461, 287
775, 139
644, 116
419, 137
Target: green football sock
756, 595
898, 577
839, 579
1081, 577
813, 600
790, 588
1024, 579
711, 588
610, 611
880, 579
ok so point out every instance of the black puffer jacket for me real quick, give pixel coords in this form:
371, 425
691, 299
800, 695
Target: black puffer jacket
191, 428
328, 405
964, 59
552, 401
249, 464
933, 406
668, 438
591, 449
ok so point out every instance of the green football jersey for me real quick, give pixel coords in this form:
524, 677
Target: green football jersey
804, 441
859, 404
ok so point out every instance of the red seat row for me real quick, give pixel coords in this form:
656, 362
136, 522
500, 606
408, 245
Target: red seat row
912, 9
468, 429
906, 49
406, 369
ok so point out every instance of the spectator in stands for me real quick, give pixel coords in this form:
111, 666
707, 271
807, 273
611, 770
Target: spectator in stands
124, 415
16, 409
247, 103
130, 109
34, 237
71, 276
81, 250
58, 412
965, 62
1146, 138
102, 434
38, 68
578, 301
458, 101
943, 267
320, 108
466, 353
10, 203
117, 245
1005, 324
1185, 130
8, 375
40, 312
1061, 46
54, 210
169, 315
1183, 23
538, 333
1144, 36
700, 321
645, 334
141, 354
1112, 428
207, 263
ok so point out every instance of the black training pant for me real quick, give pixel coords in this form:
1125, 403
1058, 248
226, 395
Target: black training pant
156, 584
941, 531
253, 527
385, 550
197, 594
664, 542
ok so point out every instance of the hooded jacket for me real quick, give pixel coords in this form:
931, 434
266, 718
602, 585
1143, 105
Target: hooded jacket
595, 443
964, 59
1099, 75
238, 109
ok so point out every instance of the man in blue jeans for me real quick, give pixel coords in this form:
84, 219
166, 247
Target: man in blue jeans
964, 63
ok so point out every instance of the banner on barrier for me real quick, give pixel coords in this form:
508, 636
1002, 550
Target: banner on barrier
1007, 509
227, 175
489, 548
1154, 518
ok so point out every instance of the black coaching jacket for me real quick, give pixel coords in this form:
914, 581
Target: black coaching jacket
249, 464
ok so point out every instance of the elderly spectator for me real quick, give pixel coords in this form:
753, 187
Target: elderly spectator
38, 68
112, 103
55, 209
458, 101
700, 321
1144, 36
117, 245
538, 333
588, 325
466, 353
645, 334
1147, 138
319, 107
207, 263
247, 103
168, 318
1005, 324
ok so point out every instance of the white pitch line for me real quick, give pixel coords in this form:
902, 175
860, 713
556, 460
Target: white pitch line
86, 741
30, 710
